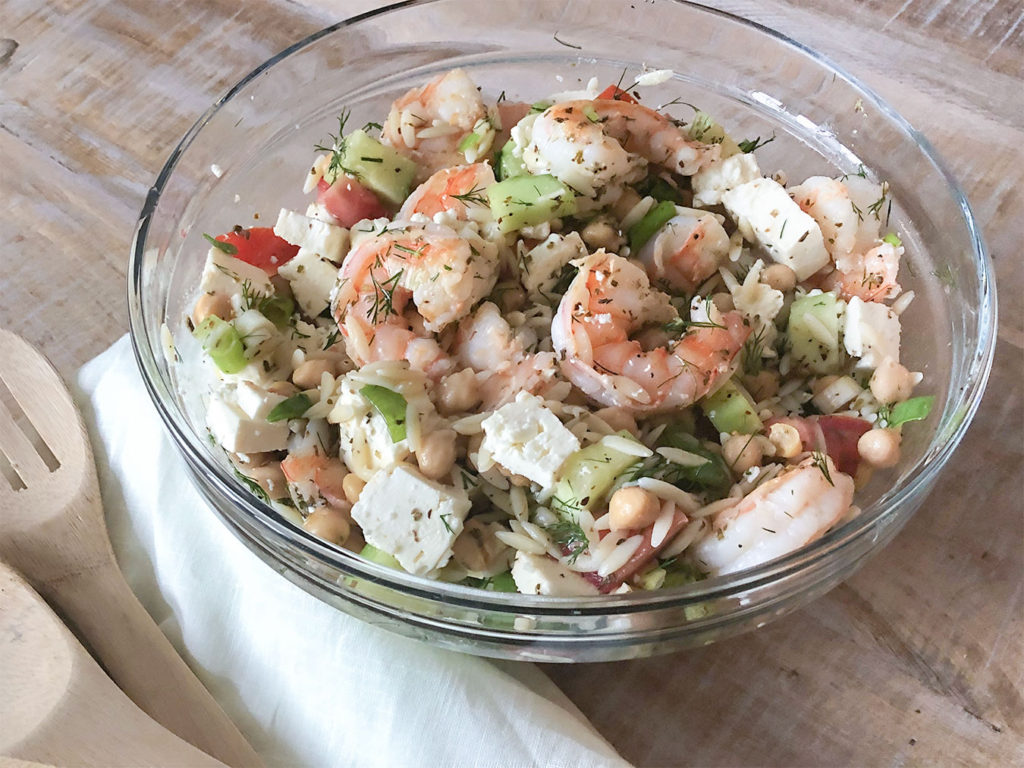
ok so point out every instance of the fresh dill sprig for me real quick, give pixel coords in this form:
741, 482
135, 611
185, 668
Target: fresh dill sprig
753, 352
820, 460
749, 145
475, 196
568, 534
876, 207
383, 297
447, 525
681, 325
255, 488
336, 147
332, 339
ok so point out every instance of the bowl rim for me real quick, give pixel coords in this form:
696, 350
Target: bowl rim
817, 553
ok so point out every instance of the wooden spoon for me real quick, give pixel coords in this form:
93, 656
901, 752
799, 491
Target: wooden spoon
53, 532
58, 706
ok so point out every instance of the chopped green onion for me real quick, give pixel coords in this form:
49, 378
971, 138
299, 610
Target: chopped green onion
892, 239
539, 106
591, 113
220, 245
292, 408
914, 409
222, 343
469, 141
278, 310
652, 221
389, 404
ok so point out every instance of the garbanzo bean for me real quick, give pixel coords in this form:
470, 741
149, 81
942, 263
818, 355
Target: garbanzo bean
436, 455
215, 303
328, 523
283, 388
600, 234
723, 301
618, 419
459, 392
308, 375
880, 447
330, 479
353, 485
786, 440
632, 508
891, 382
741, 452
780, 277
270, 478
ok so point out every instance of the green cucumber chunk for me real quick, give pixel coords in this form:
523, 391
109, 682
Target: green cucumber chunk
814, 325
379, 556
379, 167
731, 411
648, 226
588, 475
712, 476
525, 201
508, 164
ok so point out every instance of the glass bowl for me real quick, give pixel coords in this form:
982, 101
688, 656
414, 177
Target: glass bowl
247, 156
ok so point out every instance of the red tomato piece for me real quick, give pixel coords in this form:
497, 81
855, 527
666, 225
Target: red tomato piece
838, 434
617, 94
260, 247
348, 201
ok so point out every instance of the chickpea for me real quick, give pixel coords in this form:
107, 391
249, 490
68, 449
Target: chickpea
270, 478
355, 541
780, 277
763, 385
473, 448
330, 480
786, 440
436, 455
741, 452
632, 508
353, 486
723, 302
618, 419
308, 375
283, 388
476, 547
458, 392
880, 447
891, 382
512, 298
329, 524
626, 202
600, 234
215, 303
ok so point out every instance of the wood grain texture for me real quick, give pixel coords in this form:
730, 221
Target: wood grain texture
918, 659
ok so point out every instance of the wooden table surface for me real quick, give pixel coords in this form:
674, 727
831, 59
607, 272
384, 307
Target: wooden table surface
918, 659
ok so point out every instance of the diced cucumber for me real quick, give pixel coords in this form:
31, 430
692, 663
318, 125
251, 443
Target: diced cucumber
814, 324
379, 167
508, 164
525, 201
503, 582
379, 556
704, 128
588, 474
712, 476
649, 225
731, 411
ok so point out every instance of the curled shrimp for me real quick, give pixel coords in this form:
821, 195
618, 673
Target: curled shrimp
686, 251
460, 191
870, 276
611, 298
439, 272
777, 517
428, 124
845, 209
590, 145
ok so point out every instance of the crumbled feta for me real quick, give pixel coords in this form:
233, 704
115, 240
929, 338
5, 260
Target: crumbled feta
254, 401
758, 302
766, 214
412, 518
226, 274
528, 439
259, 335
542, 265
312, 279
238, 433
871, 332
711, 181
327, 240
365, 443
542, 575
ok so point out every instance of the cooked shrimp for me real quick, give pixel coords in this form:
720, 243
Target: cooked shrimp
686, 251
846, 210
610, 299
500, 355
871, 276
590, 145
459, 190
777, 517
442, 274
428, 123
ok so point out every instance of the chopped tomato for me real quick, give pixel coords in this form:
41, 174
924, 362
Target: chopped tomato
644, 554
838, 434
348, 201
260, 247
617, 94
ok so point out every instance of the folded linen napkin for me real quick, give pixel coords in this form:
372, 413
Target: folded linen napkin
305, 683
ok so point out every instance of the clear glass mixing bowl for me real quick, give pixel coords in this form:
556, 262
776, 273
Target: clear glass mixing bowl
246, 157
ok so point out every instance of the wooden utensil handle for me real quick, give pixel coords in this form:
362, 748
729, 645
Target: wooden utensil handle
141, 660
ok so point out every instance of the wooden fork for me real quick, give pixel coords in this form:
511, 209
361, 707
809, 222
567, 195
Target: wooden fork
53, 532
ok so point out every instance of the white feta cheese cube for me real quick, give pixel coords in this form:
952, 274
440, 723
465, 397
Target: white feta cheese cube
528, 439
543, 263
766, 214
366, 446
238, 433
710, 182
312, 279
259, 335
226, 274
327, 240
871, 332
542, 575
254, 401
412, 518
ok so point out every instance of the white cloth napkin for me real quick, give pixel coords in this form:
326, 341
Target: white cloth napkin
306, 684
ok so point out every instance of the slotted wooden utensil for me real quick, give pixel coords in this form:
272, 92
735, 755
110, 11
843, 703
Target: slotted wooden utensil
53, 532
59, 707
